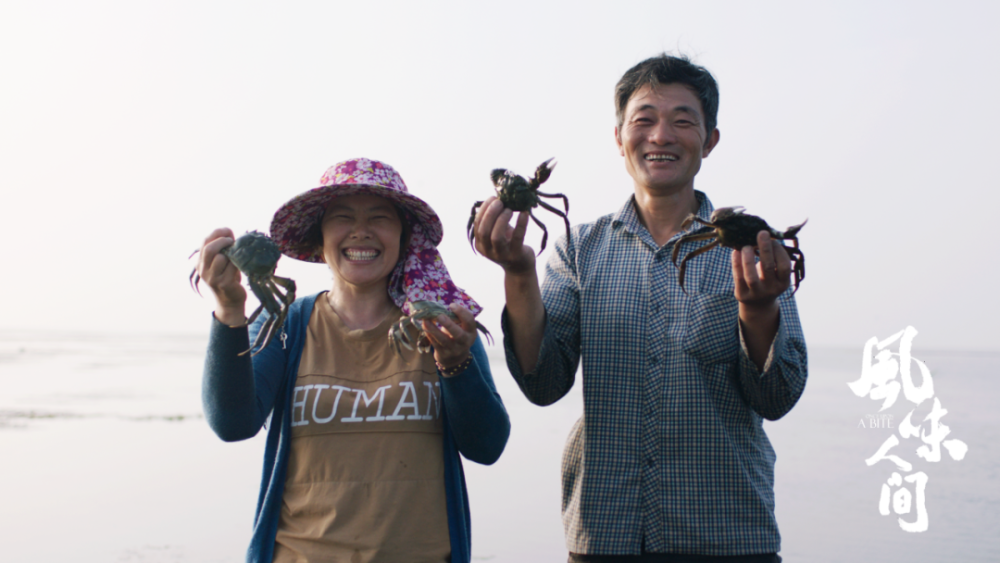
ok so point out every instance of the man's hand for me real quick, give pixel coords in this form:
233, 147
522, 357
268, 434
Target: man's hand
757, 287
497, 240
758, 284
503, 244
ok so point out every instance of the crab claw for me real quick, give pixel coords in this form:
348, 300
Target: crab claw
543, 171
792, 231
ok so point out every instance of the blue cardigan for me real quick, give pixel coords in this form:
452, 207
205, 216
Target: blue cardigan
240, 393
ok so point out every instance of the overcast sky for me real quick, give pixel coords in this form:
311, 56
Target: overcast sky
129, 130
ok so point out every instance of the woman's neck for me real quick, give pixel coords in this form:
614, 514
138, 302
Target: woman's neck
361, 308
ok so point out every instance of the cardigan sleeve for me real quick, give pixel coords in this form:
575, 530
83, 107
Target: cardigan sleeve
476, 415
238, 392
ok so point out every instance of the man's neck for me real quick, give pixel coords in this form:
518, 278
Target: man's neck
663, 213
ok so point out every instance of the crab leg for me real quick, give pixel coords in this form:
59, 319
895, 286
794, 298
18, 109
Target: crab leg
545, 232
702, 250
800, 265
564, 198
688, 238
265, 333
255, 314
289, 297
472, 221
267, 301
559, 213
692, 218
482, 329
273, 322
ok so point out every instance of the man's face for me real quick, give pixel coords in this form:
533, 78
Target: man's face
663, 138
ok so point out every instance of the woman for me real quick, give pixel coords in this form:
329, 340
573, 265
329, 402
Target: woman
362, 461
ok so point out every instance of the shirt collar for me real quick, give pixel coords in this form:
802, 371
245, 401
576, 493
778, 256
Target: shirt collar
628, 217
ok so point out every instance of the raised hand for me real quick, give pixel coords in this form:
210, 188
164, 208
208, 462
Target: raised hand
453, 340
500, 242
223, 278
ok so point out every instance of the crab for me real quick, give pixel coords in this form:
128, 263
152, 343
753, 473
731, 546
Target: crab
400, 333
256, 255
735, 229
519, 194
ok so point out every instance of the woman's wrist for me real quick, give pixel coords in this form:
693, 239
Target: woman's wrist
231, 317
453, 368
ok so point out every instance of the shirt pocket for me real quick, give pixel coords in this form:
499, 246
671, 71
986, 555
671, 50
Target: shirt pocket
712, 334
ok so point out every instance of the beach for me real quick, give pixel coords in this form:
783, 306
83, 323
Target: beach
107, 458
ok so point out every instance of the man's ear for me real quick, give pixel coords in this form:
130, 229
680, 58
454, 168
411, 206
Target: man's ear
618, 141
713, 140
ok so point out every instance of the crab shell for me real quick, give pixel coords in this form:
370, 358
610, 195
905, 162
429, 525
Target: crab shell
254, 253
400, 334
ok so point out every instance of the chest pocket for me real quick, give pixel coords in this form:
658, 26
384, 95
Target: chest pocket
712, 334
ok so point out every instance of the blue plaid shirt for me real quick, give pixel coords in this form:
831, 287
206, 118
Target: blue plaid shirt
670, 449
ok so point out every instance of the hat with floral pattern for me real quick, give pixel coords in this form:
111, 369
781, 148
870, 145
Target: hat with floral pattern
420, 274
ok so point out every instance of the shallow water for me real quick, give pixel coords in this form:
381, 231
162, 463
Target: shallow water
108, 459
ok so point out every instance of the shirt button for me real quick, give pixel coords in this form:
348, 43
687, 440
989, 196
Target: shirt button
656, 307
654, 359
650, 462
659, 258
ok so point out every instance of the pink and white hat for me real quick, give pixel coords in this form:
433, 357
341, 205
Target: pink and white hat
420, 276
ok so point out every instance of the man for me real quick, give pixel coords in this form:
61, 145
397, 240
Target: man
669, 461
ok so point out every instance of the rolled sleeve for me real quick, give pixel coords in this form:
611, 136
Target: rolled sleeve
559, 354
773, 391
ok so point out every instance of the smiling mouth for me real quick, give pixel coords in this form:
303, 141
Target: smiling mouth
355, 255
661, 158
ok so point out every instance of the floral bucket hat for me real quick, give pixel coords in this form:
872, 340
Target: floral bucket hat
420, 274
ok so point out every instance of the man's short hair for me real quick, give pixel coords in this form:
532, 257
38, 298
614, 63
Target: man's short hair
666, 69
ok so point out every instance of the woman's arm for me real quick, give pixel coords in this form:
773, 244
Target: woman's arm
475, 413
238, 392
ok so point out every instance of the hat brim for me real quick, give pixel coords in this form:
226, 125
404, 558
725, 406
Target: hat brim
293, 220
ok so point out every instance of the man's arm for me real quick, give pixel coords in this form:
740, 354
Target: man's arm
542, 346
773, 365
757, 287
772, 390
525, 317
504, 245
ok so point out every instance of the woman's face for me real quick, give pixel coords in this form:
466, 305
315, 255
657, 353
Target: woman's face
361, 235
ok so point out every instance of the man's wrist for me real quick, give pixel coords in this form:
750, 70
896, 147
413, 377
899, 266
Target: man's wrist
752, 312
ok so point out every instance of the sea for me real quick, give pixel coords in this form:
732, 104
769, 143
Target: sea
106, 457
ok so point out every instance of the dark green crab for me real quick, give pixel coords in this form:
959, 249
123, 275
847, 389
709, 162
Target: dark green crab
400, 333
519, 194
256, 255
734, 229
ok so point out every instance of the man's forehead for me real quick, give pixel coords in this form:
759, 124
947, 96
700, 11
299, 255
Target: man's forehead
673, 96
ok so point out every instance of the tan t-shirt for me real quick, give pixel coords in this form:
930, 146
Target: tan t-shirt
365, 476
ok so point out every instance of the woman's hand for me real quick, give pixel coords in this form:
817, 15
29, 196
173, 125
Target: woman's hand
453, 340
223, 278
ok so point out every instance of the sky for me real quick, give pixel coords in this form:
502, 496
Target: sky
130, 130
